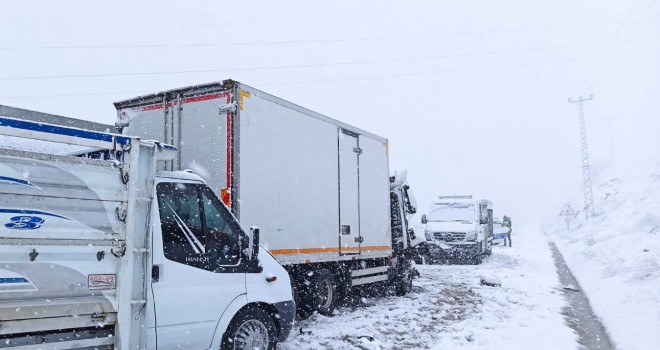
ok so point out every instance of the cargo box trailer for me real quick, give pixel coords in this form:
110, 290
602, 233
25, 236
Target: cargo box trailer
112, 254
319, 189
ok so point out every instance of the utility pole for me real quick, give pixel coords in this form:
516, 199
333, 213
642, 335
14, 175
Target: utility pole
586, 168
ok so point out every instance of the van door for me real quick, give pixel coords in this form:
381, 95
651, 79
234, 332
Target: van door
198, 265
349, 193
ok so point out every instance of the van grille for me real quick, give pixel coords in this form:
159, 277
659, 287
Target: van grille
449, 236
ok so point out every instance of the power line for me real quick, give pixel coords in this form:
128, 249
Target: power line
350, 78
447, 70
287, 42
607, 49
616, 62
311, 65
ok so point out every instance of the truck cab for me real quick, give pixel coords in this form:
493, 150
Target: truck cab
110, 253
403, 207
461, 226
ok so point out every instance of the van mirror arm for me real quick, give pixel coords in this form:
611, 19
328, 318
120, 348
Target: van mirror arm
254, 243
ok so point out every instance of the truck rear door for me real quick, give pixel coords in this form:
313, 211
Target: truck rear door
349, 193
193, 125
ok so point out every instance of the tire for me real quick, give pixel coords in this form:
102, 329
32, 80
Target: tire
303, 300
251, 328
403, 283
324, 292
478, 259
301, 312
417, 257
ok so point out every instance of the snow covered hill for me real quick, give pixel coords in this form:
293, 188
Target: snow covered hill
616, 255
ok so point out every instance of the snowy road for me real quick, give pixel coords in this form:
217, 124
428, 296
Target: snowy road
449, 309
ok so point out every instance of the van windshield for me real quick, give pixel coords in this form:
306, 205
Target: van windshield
454, 212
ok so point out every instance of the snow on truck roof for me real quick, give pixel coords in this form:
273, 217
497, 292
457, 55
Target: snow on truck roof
462, 199
180, 175
225, 85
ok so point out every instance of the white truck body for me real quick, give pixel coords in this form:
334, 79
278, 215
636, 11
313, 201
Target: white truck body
318, 189
289, 169
86, 250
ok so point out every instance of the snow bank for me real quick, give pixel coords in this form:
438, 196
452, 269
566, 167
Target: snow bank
616, 256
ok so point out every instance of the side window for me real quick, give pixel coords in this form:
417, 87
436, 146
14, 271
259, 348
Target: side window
224, 236
483, 214
193, 231
409, 200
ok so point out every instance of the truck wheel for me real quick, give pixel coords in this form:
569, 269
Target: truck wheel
303, 302
489, 249
403, 283
324, 292
417, 257
251, 328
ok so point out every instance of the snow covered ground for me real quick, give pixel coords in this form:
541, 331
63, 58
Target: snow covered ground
449, 309
616, 255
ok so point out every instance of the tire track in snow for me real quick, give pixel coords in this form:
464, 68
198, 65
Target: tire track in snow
579, 314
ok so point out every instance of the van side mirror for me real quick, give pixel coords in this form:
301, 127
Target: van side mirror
254, 242
424, 221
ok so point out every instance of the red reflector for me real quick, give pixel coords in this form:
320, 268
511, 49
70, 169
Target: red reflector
225, 196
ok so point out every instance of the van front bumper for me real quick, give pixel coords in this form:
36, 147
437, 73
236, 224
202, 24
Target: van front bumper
286, 311
455, 250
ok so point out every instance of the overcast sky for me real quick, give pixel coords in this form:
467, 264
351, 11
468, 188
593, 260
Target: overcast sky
471, 94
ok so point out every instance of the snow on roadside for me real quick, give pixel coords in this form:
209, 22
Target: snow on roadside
449, 309
616, 256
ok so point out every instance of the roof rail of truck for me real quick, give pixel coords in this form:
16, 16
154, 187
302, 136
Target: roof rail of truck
456, 197
62, 134
92, 140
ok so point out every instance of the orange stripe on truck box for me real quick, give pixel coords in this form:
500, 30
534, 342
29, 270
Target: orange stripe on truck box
328, 250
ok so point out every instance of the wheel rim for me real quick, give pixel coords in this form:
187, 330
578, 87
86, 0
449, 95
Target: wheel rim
325, 294
252, 334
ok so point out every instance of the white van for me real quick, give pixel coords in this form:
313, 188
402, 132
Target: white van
112, 254
463, 223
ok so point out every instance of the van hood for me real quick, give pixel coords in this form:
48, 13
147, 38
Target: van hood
451, 226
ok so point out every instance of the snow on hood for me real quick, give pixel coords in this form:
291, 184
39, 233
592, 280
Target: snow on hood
451, 226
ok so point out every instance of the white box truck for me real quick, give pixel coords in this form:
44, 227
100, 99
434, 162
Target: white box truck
318, 188
112, 254
462, 224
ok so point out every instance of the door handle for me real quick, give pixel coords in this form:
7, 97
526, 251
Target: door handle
155, 273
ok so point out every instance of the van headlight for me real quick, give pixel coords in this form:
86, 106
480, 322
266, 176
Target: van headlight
428, 235
471, 236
